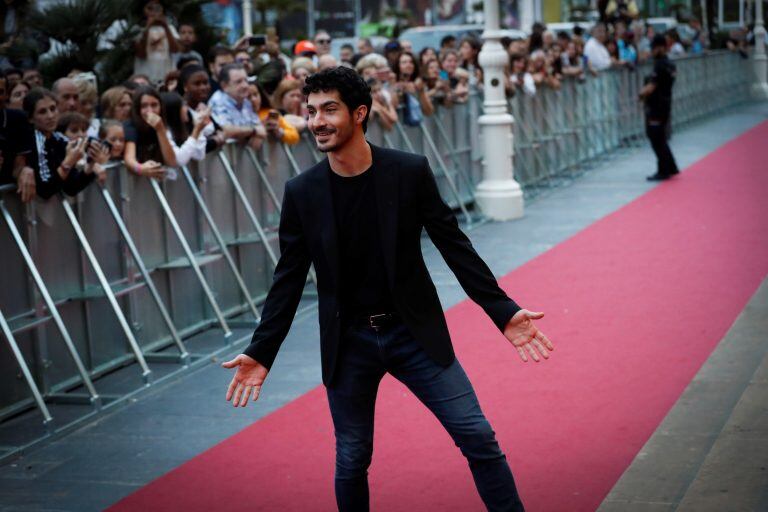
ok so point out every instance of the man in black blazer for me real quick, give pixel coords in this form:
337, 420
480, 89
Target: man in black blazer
358, 217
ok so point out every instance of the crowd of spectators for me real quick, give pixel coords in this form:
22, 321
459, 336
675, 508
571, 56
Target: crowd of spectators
178, 105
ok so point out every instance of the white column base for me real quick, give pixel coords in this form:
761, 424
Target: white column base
500, 199
760, 90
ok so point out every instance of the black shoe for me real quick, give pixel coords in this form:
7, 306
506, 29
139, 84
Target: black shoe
658, 177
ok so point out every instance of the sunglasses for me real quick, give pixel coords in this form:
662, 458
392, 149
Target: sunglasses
323, 41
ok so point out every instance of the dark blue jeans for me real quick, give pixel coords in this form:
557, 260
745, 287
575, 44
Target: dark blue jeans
366, 356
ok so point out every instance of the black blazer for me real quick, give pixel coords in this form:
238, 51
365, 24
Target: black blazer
408, 201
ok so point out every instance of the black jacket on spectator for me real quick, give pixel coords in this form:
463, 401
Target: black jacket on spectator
16, 133
45, 158
408, 202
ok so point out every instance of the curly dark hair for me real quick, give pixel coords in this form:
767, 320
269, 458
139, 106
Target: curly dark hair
353, 90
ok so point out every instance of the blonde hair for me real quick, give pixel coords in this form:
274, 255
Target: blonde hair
285, 86
303, 62
110, 99
86, 91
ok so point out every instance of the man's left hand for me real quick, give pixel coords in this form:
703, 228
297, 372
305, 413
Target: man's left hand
526, 337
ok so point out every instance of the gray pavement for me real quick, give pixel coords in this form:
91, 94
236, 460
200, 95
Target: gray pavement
710, 454
172, 422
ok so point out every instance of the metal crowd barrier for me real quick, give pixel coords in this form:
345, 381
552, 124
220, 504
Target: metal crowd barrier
125, 273
558, 132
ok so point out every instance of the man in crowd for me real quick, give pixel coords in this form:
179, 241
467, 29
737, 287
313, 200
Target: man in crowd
595, 50
322, 42
69, 97
218, 57
232, 110
657, 94
187, 40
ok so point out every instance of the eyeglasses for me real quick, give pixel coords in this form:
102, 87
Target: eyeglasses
323, 41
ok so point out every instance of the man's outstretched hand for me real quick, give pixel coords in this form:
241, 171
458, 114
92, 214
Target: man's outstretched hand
248, 379
526, 337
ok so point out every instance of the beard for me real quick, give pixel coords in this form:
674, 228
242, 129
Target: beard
341, 137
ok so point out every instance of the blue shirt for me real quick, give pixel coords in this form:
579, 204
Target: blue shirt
226, 112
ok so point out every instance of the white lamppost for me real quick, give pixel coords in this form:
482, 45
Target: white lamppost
498, 195
247, 18
760, 87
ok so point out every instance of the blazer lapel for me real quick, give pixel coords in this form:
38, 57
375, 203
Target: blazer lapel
385, 181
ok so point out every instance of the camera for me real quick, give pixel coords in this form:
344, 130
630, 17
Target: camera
259, 40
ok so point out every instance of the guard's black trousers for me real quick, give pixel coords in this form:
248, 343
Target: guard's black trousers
658, 133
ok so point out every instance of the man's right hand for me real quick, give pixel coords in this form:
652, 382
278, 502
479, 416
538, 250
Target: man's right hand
248, 379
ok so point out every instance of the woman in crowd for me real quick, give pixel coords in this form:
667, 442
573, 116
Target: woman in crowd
148, 148
54, 158
17, 93
88, 96
302, 67
278, 129
449, 61
187, 145
154, 51
438, 86
573, 62
381, 109
112, 132
290, 102
195, 87
426, 55
541, 71
469, 50
410, 89
115, 104
519, 77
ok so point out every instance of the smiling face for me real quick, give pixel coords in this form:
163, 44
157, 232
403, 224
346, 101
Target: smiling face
46, 115
116, 138
331, 122
450, 62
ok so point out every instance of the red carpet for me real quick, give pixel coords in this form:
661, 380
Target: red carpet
635, 303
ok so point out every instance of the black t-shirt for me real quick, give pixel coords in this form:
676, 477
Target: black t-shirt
15, 131
147, 144
658, 106
363, 277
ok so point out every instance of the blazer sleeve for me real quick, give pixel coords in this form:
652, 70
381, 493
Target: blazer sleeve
287, 286
473, 274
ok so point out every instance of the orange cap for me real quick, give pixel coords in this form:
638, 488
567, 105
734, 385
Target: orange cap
304, 46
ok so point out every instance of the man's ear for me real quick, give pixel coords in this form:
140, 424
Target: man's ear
362, 110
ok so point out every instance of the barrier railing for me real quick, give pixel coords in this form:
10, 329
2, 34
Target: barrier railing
127, 272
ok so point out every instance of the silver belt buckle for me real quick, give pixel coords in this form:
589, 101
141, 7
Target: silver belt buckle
371, 320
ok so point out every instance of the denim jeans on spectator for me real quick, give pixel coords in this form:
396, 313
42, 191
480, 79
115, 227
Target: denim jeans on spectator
366, 356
